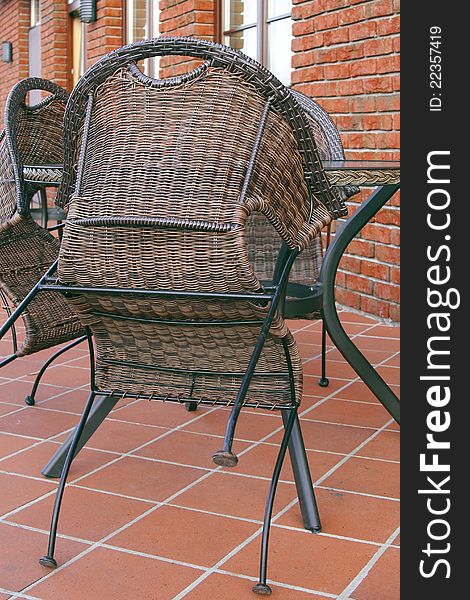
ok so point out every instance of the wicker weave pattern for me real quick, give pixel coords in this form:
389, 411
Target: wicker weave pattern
161, 200
32, 135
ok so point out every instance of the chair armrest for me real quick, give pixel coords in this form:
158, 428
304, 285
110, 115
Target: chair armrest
365, 173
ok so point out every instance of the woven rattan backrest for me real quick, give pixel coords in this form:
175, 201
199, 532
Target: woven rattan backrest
198, 153
32, 135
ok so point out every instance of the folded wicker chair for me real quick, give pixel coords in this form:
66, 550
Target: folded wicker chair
32, 135
264, 241
160, 179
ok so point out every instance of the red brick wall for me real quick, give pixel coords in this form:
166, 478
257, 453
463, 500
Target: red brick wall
194, 18
14, 24
107, 32
54, 49
347, 58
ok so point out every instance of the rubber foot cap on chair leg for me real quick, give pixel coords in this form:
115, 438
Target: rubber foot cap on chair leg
48, 561
190, 406
262, 589
324, 382
225, 459
29, 401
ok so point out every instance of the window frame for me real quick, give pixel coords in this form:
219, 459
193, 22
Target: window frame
262, 25
152, 22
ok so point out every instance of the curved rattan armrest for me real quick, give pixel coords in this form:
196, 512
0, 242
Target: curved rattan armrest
215, 55
15, 103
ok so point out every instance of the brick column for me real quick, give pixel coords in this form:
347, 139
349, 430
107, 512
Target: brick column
14, 24
194, 18
54, 50
347, 58
107, 32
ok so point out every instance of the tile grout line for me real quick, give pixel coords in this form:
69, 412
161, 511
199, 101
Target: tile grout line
247, 449
253, 536
355, 583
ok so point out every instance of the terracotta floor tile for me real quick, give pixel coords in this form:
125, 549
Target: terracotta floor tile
252, 425
37, 422
18, 367
366, 342
385, 331
7, 408
187, 448
21, 550
350, 413
229, 587
142, 478
346, 316
357, 391
368, 476
63, 375
327, 437
311, 386
393, 362
261, 459
305, 559
382, 581
30, 462
351, 515
390, 374
84, 514
374, 356
237, 496
307, 336
17, 491
72, 401
396, 541
14, 392
105, 573
184, 535
12, 443
335, 369
386, 445
120, 437
164, 414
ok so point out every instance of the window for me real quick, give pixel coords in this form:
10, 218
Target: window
143, 23
261, 29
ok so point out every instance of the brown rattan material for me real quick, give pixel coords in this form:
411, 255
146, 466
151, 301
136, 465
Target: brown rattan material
264, 241
160, 178
31, 135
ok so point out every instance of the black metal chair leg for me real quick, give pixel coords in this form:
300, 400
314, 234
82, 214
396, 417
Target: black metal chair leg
48, 560
30, 400
8, 360
261, 587
323, 381
303, 479
7, 309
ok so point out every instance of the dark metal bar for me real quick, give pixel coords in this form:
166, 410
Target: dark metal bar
26, 300
30, 400
333, 325
261, 587
48, 560
43, 205
7, 309
8, 360
226, 457
70, 289
101, 408
111, 361
173, 322
302, 477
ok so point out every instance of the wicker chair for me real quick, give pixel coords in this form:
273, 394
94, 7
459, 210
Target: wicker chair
32, 135
263, 240
160, 179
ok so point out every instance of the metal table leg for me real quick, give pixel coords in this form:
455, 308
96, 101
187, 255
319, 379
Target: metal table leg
333, 325
100, 410
303, 480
